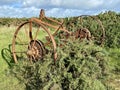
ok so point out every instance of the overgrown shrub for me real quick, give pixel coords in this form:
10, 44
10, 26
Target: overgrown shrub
80, 66
111, 24
110, 21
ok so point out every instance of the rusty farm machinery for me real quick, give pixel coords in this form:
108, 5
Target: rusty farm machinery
27, 43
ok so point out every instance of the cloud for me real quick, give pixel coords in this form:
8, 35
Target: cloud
59, 12
56, 8
72, 4
9, 2
7, 11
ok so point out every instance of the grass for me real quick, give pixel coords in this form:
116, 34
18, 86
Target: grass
9, 82
114, 80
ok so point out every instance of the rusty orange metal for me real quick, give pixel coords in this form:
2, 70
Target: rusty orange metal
58, 26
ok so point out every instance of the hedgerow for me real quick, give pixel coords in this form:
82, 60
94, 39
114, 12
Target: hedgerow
81, 65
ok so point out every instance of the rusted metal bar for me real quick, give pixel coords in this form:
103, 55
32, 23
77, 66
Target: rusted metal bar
50, 35
13, 41
42, 14
46, 24
102, 38
30, 30
58, 29
53, 20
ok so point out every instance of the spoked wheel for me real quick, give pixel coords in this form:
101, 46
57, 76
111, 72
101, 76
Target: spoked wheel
36, 50
95, 26
28, 42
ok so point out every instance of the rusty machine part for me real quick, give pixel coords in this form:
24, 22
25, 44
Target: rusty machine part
36, 50
22, 38
25, 43
82, 33
85, 32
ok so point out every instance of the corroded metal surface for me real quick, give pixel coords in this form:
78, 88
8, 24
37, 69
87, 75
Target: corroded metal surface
43, 25
36, 48
82, 33
102, 30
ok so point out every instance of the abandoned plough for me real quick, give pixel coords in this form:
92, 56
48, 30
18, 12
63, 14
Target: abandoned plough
26, 45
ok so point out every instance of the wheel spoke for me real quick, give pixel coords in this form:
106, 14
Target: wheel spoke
32, 48
36, 34
21, 52
26, 31
21, 42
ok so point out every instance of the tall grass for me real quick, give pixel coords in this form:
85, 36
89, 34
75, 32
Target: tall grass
7, 82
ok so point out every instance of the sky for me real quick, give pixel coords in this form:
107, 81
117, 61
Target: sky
56, 8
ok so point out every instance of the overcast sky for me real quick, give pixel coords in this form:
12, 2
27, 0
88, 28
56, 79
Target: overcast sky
56, 8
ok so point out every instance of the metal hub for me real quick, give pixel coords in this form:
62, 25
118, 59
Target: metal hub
36, 50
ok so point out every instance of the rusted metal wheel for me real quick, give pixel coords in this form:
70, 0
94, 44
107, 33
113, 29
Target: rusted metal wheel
36, 50
95, 26
28, 43
91, 24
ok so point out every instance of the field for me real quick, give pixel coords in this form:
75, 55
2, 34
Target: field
7, 82
106, 76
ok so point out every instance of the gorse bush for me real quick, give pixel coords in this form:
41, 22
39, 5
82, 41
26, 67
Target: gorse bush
80, 66
109, 19
111, 24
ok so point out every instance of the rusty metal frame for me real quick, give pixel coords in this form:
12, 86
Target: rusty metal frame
30, 35
44, 25
99, 23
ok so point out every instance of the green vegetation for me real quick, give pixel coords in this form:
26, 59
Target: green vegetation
80, 65
11, 21
7, 82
